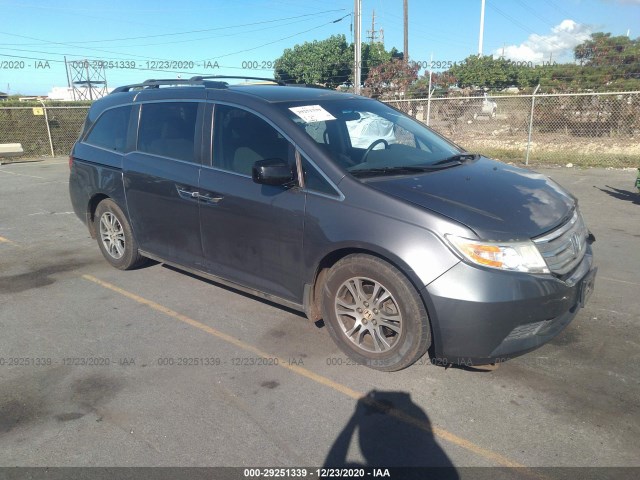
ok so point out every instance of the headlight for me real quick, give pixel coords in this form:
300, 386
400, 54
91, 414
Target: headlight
512, 256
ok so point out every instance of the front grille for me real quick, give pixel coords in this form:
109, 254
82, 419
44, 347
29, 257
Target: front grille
564, 247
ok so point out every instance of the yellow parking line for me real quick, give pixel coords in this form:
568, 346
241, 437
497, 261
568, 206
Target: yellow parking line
6, 240
349, 392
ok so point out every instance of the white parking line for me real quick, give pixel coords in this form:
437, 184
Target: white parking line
45, 212
619, 281
22, 174
37, 163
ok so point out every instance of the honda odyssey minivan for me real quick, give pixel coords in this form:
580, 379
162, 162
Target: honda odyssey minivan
339, 206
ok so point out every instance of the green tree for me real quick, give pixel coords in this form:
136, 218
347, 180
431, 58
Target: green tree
329, 62
324, 62
485, 71
604, 50
373, 55
604, 63
611, 63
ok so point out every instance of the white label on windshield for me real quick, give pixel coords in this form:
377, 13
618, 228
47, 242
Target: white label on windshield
312, 113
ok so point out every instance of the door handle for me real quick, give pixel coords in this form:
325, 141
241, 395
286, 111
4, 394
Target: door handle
192, 195
188, 194
210, 198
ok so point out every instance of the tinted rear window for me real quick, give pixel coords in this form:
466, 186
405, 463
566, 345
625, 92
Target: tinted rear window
110, 130
168, 129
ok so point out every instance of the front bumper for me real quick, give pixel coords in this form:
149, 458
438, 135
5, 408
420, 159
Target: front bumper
482, 316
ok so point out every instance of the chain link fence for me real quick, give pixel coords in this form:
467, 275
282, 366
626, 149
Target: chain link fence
599, 129
593, 129
42, 131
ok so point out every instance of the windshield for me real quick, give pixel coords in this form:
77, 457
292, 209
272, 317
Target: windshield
367, 137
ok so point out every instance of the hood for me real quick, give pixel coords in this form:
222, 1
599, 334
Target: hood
497, 201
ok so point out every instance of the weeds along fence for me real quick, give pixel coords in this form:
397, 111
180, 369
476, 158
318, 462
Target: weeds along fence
586, 129
42, 131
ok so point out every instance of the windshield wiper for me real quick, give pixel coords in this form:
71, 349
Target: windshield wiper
459, 159
390, 170
448, 162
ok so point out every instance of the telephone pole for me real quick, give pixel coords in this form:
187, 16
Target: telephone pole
357, 46
406, 30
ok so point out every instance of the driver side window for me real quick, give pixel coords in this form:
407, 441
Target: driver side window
242, 138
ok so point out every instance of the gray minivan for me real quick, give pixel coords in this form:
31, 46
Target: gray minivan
339, 206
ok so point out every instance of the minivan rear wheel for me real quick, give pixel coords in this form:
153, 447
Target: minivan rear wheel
115, 237
374, 314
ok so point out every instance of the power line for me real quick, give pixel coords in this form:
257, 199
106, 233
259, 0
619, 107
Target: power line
73, 46
439, 39
216, 28
535, 13
170, 42
561, 10
523, 27
280, 39
143, 57
188, 32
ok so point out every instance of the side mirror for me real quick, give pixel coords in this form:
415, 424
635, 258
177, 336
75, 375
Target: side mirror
272, 171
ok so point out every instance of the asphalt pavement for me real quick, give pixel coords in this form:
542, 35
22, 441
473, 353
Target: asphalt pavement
156, 367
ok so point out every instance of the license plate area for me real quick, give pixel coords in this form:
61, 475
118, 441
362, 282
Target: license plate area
586, 287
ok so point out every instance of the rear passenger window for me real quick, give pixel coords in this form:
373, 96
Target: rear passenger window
110, 130
168, 129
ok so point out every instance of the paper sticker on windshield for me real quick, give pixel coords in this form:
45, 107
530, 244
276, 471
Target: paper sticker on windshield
312, 113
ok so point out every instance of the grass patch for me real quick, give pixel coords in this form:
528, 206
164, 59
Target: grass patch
617, 160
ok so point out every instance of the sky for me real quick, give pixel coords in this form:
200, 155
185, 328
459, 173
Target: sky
141, 39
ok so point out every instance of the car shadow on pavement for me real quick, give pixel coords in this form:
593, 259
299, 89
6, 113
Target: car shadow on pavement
620, 194
392, 432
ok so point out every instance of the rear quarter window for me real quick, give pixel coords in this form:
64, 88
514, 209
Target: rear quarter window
110, 130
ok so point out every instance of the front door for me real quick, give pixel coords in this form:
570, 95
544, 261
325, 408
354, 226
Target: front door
251, 233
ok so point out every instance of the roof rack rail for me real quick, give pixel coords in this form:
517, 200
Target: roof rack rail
263, 79
156, 83
205, 81
308, 85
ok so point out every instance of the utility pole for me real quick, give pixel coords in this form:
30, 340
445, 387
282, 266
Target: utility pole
406, 30
357, 46
481, 29
66, 69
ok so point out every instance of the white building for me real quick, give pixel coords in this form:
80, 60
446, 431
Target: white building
65, 94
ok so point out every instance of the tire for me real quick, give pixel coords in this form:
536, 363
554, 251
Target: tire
382, 295
115, 238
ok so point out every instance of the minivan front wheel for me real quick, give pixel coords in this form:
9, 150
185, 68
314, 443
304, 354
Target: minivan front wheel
115, 237
374, 314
